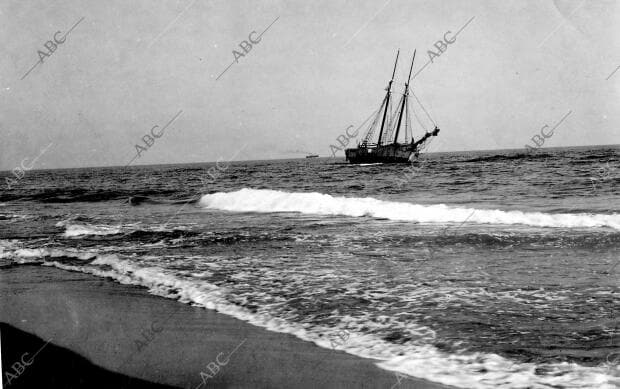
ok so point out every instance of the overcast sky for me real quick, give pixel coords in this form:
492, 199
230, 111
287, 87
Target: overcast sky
322, 66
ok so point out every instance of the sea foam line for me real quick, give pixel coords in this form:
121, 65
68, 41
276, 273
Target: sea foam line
474, 370
265, 201
471, 370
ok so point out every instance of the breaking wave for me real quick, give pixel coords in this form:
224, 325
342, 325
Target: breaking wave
419, 359
265, 201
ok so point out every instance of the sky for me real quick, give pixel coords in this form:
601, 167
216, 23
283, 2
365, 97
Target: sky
320, 66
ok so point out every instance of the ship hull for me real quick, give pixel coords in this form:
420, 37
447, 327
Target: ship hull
393, 153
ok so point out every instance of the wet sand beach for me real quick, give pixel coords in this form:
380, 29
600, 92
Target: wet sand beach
102, 334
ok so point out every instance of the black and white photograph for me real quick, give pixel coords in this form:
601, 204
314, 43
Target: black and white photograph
325, 194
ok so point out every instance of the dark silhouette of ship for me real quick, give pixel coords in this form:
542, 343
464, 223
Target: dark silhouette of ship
387, 148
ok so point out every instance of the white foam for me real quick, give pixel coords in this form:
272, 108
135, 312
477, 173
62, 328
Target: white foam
493, 371
72, 230
8, 244
264, 200
21, 255
16, 216
473, 370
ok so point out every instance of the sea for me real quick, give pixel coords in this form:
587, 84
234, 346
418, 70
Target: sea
487, 269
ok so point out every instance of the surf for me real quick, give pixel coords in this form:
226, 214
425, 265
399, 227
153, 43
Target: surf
420, 358
273, 201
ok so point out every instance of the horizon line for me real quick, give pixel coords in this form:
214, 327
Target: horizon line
280, 159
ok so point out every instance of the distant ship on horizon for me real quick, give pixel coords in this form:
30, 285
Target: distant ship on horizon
312, 156
387, 149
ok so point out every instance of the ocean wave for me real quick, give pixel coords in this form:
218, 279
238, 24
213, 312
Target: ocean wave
536, 155
9, 250
417, 359
73, 230
164, 235
12, 216
139, 200
594, 240
80, 194
265, 201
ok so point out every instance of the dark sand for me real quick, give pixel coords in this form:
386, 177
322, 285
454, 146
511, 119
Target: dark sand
45, 365
102, 333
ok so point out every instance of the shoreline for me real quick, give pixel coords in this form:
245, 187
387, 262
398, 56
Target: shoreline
125, 330
45, 365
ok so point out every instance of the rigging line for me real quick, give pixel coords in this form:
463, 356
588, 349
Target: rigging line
424, 109
372, 128
395, 113
371, 115
419, 121
392, 121
408, 121
402, 111
411, 109
404, 124
405, 114
427, 143
367, 119
383, 103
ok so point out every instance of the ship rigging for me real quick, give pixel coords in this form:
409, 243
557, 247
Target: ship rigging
387, 148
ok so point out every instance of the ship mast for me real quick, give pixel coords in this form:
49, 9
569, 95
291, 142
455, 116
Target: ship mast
402, 108
387, 100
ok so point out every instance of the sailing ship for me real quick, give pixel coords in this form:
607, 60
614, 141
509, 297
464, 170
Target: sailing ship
387, 148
